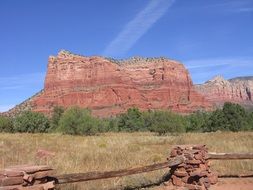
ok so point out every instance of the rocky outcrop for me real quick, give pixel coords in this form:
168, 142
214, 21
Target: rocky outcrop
109, 86
236, 90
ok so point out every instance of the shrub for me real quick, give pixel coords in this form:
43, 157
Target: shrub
56, 116
131, 121
196, 121
215, 122
77, 121
250, 121
6, 124
163, 122
113, 124
31, 122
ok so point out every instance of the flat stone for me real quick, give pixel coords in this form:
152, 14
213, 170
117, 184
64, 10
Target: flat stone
198, 156
203, 167
177, 181
185, 179
199, 173
180, 173
173, 153
193, 162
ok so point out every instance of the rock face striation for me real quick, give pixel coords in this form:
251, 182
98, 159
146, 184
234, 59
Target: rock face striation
236, 90
109, 86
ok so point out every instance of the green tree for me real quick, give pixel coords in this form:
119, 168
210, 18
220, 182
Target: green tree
31, 122
6, 124
77, 121
131, 121
235, 116
232, 117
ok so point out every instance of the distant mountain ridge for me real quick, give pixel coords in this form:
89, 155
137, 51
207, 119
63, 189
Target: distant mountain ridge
219, 90
241, 78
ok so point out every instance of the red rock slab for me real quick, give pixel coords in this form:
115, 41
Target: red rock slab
193, 162
199, 156
11, 173
185, 179
17, 170
180, 173
173, 153
177, 181
11, 181
199, 173
203, 167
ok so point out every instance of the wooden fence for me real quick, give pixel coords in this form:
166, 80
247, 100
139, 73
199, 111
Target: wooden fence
41, 177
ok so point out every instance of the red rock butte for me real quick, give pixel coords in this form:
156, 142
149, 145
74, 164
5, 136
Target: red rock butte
109, 86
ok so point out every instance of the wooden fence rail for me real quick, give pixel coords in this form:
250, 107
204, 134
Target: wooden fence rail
78, 177
6, 180
230, 156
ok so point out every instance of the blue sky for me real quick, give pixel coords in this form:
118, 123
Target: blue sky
211, 37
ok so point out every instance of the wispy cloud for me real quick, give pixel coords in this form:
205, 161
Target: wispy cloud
205, 63
233, 6
14, 89
245, 9
203, 69
21, 81
138, 26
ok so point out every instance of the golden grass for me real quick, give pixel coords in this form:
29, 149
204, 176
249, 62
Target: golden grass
114, 151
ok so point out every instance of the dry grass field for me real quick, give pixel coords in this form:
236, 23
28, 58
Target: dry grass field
114, 151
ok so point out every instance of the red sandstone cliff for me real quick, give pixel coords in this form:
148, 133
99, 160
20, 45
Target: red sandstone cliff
110, 86
237, 90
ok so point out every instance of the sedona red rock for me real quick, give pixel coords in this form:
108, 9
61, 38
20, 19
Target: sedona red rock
109, 86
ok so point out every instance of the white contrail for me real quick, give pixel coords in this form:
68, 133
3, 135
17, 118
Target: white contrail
138, 26
205, 63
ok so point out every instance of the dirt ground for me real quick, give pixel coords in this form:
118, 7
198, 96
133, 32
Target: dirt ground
234, 184
224, 184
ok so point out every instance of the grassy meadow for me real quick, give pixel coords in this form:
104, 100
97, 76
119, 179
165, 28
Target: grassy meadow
112, 151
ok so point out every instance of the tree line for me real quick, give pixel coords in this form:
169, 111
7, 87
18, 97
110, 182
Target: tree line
79, 121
